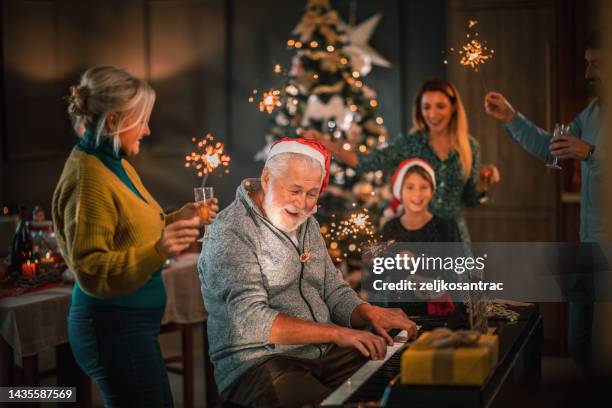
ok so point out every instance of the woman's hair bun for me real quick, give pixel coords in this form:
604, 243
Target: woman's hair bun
77, 100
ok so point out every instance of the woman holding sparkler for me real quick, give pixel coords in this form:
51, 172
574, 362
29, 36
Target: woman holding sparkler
115, 237
440, 137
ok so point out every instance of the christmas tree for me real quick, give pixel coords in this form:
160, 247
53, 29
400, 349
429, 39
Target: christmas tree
325, 91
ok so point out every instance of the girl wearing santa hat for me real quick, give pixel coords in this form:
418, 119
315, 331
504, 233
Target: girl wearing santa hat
439, 136
414, 184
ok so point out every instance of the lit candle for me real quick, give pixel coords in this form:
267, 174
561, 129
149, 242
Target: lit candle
28, 269
46, 264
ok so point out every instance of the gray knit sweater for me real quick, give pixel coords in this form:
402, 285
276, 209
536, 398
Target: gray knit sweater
250, 272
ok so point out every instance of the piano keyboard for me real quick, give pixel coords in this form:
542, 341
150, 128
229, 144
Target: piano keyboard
369, 382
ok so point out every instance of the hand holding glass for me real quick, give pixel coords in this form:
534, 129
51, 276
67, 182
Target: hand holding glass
560, 130
203, 196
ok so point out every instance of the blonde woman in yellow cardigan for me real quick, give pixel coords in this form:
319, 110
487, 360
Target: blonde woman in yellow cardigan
116, 237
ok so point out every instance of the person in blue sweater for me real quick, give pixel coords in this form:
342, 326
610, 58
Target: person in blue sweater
584, 144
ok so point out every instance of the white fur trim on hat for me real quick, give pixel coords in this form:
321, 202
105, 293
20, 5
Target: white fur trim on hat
296, 147
398, 177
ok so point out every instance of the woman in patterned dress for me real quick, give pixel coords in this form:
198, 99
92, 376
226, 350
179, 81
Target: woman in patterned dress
439, 136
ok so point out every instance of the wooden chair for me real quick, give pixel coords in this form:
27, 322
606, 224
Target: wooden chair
186, 358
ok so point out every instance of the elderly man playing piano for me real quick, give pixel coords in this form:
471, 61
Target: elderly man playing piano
284, 328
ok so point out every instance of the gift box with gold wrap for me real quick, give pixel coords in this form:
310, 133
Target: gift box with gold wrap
446, 357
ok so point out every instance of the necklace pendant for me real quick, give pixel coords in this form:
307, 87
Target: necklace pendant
304, 257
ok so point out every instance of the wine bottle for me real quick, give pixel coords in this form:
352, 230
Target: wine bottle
21, 250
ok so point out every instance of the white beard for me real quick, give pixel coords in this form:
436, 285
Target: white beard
274, 214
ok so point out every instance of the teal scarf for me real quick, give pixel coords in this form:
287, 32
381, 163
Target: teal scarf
106, 153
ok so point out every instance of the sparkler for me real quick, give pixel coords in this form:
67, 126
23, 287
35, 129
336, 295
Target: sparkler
475, 52
358, 226
269, 100
207, 157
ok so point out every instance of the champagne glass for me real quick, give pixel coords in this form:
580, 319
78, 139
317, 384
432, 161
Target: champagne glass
560, 130
486, 171
203, 195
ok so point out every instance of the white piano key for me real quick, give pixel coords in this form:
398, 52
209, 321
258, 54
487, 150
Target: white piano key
344, 391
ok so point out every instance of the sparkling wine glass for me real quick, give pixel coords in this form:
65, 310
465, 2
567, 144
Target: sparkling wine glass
203, 195
486, 171
560, 130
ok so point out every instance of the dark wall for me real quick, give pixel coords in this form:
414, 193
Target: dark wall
202, 57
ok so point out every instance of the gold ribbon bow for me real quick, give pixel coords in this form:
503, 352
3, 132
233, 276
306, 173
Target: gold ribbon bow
320, 89
444, 338
311, 21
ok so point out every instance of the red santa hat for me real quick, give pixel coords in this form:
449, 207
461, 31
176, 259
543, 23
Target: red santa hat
307, 147
398, 177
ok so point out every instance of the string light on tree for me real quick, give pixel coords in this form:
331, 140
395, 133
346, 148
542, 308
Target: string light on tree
252, 97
